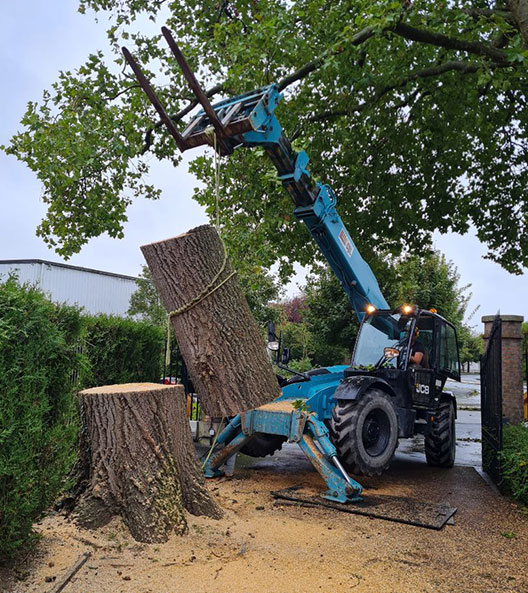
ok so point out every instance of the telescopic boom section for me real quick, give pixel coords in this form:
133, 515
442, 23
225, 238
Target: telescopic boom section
249, 120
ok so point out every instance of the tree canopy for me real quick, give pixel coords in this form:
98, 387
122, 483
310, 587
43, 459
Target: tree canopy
414, 111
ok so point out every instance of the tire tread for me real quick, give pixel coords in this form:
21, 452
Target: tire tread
438, 442
345, 417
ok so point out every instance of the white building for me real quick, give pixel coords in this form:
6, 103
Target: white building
94, 290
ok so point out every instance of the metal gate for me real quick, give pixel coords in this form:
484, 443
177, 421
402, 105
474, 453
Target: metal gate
491, 403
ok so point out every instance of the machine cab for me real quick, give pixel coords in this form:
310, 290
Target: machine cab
390, 343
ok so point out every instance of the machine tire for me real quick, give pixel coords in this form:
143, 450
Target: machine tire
351, 423
440, 443
262, 445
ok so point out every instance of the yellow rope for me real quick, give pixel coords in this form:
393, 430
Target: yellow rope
217, 183
208, 290
167, 346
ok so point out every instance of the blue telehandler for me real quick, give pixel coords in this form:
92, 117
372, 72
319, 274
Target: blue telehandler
346, 419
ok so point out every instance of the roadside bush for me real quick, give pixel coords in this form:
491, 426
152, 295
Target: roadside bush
514, 458
122, 351
38, 418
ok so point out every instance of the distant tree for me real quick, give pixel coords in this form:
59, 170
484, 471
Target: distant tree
295, 308
145, 301
298, 338
330, 319
471, 345
430, 281
261, 290
329, 324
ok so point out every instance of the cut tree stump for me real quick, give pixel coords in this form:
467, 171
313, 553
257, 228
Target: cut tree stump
141, 464
220, 342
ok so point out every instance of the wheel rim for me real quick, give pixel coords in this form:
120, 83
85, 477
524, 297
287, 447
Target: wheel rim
376, 432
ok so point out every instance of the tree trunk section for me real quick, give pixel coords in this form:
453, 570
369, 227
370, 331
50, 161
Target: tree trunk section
219, 339
141, 461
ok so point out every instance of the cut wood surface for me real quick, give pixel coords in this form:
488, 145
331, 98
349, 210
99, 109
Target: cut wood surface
140, 460
219, 339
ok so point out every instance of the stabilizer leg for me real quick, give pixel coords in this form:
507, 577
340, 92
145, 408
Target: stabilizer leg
217, 459
341, 487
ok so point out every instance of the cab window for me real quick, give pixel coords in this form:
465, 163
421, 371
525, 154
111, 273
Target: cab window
448, 352
425, 325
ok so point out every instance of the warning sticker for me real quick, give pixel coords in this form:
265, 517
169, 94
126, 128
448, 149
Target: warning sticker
346, 242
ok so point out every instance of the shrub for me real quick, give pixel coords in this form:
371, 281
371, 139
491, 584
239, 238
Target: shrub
122, 351
38, 420
514, 459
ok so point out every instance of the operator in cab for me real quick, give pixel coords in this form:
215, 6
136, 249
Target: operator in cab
417, 351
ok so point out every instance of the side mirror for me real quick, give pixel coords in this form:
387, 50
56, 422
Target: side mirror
391, 352
285, 356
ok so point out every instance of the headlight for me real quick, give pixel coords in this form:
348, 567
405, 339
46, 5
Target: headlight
273, 346
407, 309
370, 309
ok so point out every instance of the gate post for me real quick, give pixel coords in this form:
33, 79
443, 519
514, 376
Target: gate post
512, 374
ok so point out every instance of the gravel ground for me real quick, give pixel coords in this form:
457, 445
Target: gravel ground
260, 546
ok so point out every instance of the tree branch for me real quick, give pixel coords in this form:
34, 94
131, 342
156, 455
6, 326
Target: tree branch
299, 74
489, 13
122, 91
431, 38
497, 55
432, 71
302, 72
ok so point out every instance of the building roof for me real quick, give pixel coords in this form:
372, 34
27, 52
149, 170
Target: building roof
67, 266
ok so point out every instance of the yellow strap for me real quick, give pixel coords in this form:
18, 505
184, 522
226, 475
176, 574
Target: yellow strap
167, 346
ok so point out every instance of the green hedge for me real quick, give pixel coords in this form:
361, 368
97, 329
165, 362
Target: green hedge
41, 370
38, 421
122, 351
514, 459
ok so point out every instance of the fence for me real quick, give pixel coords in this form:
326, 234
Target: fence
491, 405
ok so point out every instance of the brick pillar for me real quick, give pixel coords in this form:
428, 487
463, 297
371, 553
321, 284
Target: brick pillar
512, 374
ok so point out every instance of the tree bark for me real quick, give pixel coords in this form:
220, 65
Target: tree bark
141, 460
219, 340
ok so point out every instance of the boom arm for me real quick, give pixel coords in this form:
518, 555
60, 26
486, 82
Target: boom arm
249, 120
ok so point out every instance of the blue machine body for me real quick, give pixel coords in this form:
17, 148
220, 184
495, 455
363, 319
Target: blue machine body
298, 414
318, 391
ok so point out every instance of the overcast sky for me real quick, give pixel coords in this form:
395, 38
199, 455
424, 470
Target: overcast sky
41, 37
